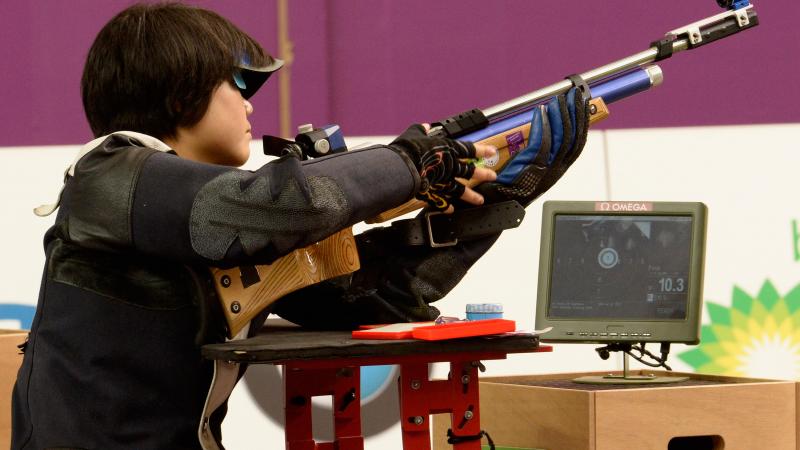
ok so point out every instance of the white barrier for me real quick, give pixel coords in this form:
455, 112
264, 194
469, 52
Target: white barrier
745, 174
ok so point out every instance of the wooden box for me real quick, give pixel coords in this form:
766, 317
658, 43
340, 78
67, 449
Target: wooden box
704, 413
10, 360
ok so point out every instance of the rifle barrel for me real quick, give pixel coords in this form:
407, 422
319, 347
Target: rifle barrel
611, 90
527, 101
691, 36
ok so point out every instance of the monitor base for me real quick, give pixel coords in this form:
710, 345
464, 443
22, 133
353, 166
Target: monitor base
626, 377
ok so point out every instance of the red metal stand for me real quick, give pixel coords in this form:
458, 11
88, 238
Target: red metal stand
458, 395
343, 385
419, 397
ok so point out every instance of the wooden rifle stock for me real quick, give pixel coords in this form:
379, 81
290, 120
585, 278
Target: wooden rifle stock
245, 291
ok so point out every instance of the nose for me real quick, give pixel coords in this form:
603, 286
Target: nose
248, 107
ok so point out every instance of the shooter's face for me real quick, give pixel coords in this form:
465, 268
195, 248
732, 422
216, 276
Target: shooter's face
223, 135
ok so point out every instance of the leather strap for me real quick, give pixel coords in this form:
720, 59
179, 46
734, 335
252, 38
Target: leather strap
437, 229
226, 374
579, 82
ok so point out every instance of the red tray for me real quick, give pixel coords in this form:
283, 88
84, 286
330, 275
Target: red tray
464, 329
428, 332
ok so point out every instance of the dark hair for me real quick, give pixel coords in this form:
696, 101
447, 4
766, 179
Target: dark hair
153, 67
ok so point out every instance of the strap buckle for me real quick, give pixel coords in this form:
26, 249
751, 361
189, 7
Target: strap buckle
431, 240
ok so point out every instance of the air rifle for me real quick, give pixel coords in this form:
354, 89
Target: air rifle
246, 290
507, 125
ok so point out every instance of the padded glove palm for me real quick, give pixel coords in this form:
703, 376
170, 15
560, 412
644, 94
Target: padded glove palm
558, 134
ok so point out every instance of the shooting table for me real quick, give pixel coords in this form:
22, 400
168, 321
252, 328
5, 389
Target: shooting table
327, 363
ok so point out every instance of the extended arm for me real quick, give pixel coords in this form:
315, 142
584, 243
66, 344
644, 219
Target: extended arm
124, 195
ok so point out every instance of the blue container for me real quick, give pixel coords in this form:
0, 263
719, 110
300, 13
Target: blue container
483, 311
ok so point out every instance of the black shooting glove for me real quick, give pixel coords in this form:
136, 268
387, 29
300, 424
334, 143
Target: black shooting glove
438, 161
558, 134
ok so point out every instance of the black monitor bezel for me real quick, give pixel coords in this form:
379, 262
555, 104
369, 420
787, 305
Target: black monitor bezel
603, 330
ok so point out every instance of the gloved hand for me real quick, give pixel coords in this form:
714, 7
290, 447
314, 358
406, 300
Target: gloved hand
558, 134
439, 161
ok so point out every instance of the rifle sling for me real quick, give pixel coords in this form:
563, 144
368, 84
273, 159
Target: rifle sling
580, 83
438, 229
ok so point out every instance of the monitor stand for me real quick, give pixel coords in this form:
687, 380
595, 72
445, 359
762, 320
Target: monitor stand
627, 378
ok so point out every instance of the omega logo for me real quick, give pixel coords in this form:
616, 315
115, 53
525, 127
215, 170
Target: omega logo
623, 206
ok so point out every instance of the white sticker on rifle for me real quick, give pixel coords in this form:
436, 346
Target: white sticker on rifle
491, 161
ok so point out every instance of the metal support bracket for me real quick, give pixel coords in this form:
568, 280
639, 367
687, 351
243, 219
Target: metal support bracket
693, 30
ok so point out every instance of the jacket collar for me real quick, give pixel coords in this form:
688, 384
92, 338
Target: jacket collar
146, 141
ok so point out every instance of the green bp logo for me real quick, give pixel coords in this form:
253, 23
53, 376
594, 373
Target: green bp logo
756, 337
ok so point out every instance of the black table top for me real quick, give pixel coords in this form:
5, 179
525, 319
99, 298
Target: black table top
282, 343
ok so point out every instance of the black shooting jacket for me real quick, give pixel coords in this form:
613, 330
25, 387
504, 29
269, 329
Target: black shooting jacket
113, 358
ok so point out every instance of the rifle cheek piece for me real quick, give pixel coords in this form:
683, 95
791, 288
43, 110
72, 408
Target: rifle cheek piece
310, 142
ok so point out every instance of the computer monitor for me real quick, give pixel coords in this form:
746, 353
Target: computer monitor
629, 272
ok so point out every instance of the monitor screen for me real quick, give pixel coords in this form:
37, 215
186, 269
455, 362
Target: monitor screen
610, 271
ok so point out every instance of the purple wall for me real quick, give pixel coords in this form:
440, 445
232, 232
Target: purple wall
375, 66
43, 45
397, 62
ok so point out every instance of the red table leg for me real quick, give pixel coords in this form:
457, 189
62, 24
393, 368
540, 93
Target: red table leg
420, 397
344, 385
347, 409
